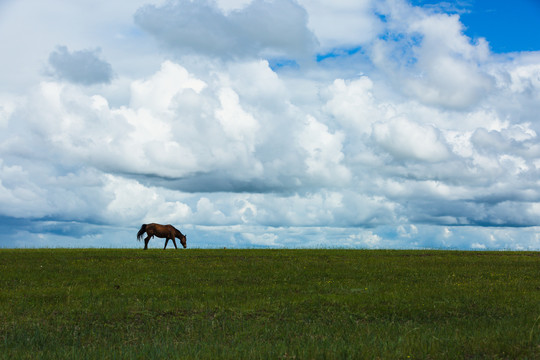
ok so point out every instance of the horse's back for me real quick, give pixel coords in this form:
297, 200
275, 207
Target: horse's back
157, 226
161, 230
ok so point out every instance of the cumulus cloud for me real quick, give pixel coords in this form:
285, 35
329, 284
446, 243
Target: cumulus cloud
432, 58
353, 105
408, 140
324, 155
81, 67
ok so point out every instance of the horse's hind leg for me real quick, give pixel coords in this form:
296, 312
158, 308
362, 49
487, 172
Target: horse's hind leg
146, 240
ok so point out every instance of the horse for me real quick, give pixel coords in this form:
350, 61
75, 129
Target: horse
168, 232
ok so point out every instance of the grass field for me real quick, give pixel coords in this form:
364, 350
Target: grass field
269, 304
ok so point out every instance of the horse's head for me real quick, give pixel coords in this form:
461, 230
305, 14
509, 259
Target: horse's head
183, 240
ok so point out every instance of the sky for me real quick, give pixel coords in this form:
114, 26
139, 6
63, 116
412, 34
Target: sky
271, 123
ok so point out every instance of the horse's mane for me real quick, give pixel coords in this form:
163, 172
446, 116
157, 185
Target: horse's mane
177, 232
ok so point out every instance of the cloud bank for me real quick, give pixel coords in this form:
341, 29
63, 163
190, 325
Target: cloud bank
261, 28
265, 125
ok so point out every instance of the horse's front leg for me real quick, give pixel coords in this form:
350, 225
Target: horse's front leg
174, 242
166, 241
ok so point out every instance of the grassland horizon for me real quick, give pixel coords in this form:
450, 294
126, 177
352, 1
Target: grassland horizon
269, 303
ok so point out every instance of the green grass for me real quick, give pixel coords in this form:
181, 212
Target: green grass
269, 304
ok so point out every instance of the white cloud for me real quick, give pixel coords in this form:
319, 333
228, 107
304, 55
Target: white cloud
132, 202
353, 105
324, 155
208, 213
19, 196
237, 124
365, 239
266, 239
408, 231
447, 233
478, 246
159, 92
405, 139
432, 59
525, 78
230, 5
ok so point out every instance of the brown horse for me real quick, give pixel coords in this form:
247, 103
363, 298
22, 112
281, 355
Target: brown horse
168, 232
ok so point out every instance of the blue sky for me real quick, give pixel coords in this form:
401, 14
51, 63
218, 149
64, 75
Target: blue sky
508, 25
279, 123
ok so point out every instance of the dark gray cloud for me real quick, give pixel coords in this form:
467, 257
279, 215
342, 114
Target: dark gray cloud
275, 28
81, 67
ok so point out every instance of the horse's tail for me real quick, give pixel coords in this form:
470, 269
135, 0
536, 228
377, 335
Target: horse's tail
141, 232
